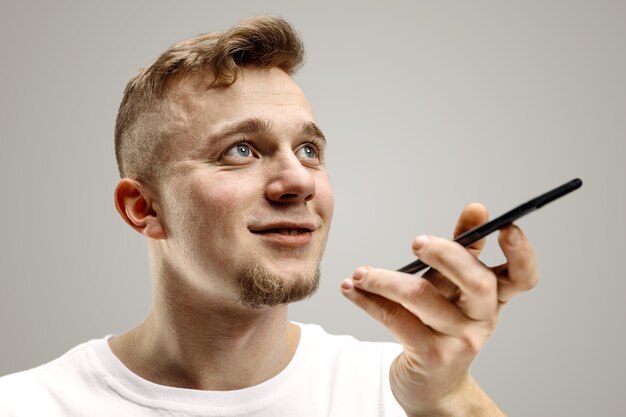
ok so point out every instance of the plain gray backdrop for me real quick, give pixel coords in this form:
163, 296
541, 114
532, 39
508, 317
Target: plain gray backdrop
427, 106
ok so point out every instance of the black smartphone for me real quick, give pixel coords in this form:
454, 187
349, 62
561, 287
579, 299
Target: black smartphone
507, 218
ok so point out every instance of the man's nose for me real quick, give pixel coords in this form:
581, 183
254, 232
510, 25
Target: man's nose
289, 180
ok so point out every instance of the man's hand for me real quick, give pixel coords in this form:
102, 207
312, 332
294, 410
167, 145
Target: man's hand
444, 318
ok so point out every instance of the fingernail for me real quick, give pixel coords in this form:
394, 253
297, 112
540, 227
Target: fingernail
420, 241
359, 273
347, 284
514, 237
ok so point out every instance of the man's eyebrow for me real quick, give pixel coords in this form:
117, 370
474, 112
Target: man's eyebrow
249, 126
311, 129
262, 126
253, 125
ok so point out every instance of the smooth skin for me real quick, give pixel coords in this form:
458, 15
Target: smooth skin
444, 318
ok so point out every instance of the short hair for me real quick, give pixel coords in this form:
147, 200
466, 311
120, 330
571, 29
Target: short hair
146, 120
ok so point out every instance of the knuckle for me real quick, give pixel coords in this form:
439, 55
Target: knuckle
436, 254
532, 282
535, 280
389, 316
471, 343
472, 346
379, 283
372, 280
491, 327
525, 279
419, 289
482, 285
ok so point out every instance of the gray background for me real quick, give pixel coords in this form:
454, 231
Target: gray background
427, 106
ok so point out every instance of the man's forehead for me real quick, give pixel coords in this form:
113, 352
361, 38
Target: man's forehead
259, 93
250, 81
259, 100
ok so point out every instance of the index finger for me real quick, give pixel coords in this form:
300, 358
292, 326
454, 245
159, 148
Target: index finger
477, 283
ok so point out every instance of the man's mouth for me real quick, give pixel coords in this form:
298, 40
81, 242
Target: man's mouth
285, 230
294, 235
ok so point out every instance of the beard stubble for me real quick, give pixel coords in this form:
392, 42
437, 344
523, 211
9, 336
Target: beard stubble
260, 287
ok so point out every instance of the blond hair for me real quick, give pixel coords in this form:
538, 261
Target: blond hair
145, 119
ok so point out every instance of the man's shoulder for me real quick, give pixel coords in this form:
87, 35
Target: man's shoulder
28, 391
21, 388
75, 354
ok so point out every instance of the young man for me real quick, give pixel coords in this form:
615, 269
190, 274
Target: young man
223, 172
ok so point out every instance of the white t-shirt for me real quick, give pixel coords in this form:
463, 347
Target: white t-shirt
328, 376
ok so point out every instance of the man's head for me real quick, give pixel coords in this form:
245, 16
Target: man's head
222, 167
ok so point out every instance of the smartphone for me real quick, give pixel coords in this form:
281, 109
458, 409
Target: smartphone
506, 219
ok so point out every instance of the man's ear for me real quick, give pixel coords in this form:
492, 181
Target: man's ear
135, 204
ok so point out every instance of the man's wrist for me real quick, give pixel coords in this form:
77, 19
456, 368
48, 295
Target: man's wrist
469, 400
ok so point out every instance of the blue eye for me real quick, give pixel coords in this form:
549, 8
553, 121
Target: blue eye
240, 149
243, 150
308, 152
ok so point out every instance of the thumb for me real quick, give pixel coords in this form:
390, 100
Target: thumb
474, 214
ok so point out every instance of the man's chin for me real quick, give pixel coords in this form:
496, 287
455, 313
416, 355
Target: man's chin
261, 287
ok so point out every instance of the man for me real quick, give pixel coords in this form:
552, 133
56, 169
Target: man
222, 170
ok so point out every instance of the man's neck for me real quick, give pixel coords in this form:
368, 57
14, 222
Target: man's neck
208, 348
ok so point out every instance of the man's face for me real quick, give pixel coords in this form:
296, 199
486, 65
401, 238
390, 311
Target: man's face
246, 201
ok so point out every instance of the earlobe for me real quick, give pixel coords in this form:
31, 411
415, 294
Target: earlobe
134, 203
